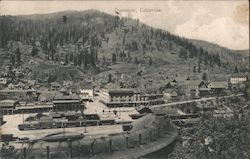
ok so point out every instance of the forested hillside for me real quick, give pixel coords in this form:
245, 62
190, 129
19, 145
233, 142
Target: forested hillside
92, 40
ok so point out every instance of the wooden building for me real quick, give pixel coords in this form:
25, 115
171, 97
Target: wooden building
8, 106
67, 103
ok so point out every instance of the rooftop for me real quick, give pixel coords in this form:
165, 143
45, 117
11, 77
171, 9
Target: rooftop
219, 84
239, 75
66, 97
121, 91
8, 103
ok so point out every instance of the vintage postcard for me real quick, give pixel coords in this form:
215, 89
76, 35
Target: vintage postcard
86, 79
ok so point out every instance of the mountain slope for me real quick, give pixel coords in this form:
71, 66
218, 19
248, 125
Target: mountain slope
95, 42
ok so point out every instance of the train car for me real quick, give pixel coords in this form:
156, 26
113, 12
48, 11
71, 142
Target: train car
107, 122
127, 127
71, 124
91, 122
29, 126
92, 116
57, 125
46, 125
186, 116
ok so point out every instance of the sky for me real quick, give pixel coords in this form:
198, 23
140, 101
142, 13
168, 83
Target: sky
222, 22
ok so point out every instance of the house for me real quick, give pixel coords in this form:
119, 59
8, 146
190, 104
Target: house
193, 87
223, 111
218, 87
171, 94
238, 78
180, 80
64, 91
203, 92
143, 109
151, 99
67, 84
169, 85
3, 81
87, 92
166, 111
18, 94
31, 82
205, 106
54, 86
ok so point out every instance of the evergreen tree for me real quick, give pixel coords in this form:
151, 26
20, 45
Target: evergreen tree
129, 56
104, 58
18, 56
236, 69
66, 60
123, 40
136, 60
109, 78
113, 58
194, 69
34, 51
199, 67
204, 76
150, 61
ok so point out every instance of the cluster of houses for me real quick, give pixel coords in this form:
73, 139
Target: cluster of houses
63, 96
201, 88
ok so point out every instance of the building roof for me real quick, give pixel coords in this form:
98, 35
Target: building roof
111, 86
8, 103
121, 91
167, 111
204, 89
17, 91
66, 97
86, 85
55, 84
218, 84
62, 90
65, 101
180, 79
239, 75
194, 82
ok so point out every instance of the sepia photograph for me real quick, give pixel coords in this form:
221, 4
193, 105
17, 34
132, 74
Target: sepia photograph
124, 79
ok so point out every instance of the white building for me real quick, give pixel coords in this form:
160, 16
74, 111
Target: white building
238, 78
87, 92
3, 81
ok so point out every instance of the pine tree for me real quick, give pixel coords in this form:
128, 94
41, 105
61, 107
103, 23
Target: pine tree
109, 78
34, 51
129, 56
136, 60
18, 56
236, 69
123, 40
104, 58
113, 58
66, 60
150, 61
204, 76
199, 67
194, 69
